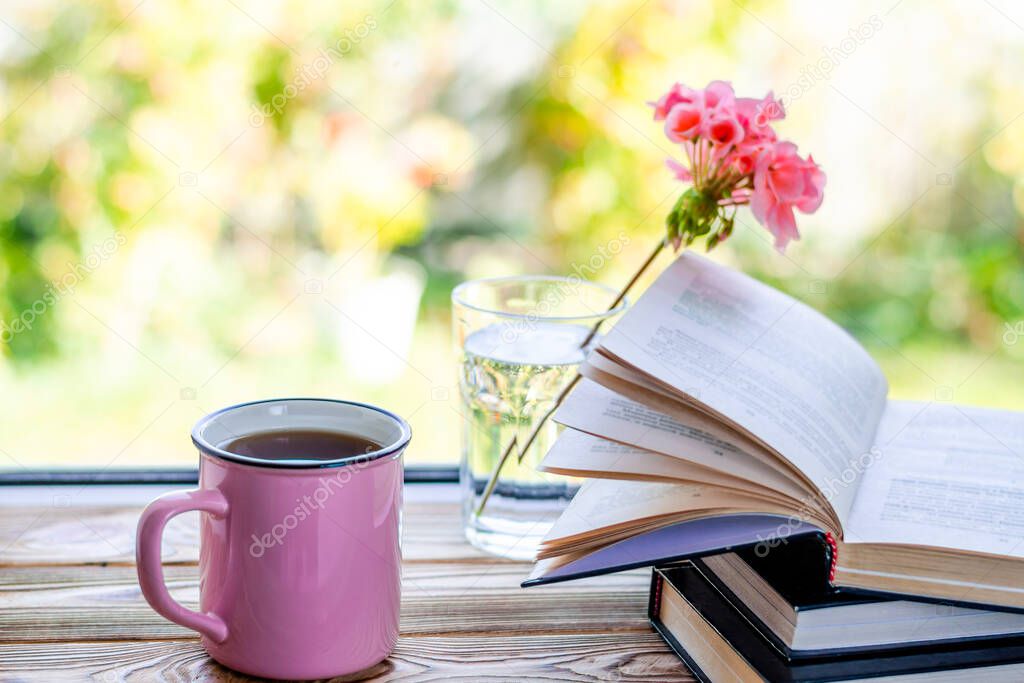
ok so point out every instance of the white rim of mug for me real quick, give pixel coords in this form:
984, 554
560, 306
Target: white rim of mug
392, 449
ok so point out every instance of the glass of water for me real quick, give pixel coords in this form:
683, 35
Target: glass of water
520, 340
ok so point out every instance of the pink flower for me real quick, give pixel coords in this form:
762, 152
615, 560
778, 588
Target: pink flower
677, 94
783, 181
741, 160
722, 128
719, 94
755, 113
733, 158
684, 121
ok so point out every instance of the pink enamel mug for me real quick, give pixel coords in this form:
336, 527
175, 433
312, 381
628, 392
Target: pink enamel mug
299, 562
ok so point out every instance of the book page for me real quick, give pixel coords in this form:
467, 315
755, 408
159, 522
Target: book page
604, 506
691, 414
578, 454
596, 410
764, 362
946, 476
596, 365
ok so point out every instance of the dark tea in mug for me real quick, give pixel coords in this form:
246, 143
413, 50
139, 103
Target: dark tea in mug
302, 444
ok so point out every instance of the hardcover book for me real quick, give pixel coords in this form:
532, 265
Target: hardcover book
803, 621
717, 644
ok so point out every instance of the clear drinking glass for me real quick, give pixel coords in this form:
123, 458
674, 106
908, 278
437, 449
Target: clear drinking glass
520, 340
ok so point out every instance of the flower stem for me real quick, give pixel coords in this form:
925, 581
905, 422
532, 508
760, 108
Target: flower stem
493, 481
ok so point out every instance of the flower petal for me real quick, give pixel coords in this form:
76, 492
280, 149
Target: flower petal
782, 224
680, 171
814, 189
786, 180
684, 122
724, 130
719, 93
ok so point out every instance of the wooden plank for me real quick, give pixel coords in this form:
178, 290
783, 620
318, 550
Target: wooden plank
621, 657
52, 534
437, 578
53, 604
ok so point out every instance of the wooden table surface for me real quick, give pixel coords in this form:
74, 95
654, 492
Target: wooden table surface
70, 606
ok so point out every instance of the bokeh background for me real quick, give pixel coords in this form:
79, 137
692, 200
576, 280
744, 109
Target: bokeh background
204, 203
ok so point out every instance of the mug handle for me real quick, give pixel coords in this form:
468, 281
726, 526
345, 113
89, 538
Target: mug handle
147, 558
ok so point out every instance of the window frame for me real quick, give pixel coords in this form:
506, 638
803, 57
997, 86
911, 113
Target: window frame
416, 474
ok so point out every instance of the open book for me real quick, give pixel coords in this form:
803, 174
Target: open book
720, 412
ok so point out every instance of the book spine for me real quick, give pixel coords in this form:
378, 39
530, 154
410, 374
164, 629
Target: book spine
658, 582
654, 604
833, 548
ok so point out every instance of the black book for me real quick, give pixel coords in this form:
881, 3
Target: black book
806, 618
719, 643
